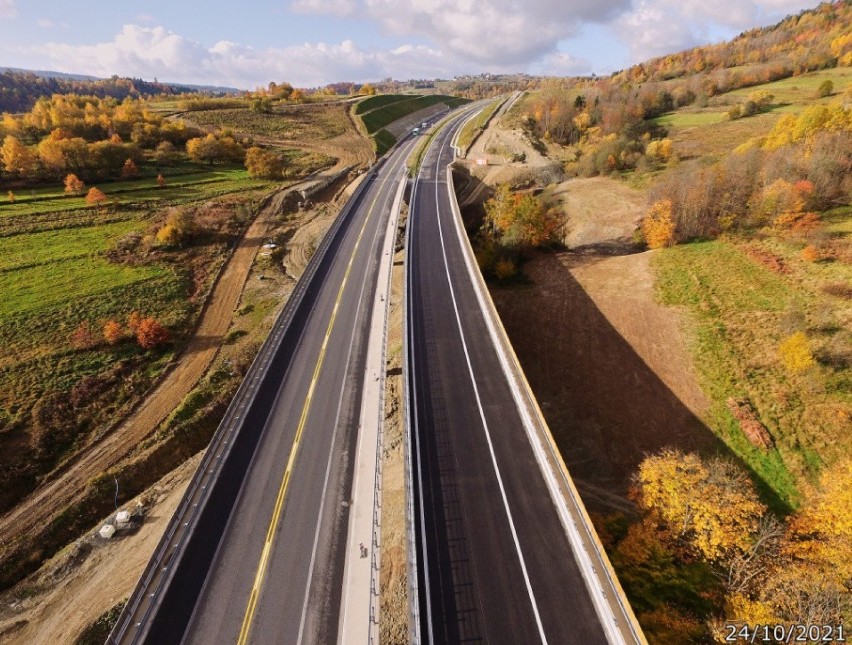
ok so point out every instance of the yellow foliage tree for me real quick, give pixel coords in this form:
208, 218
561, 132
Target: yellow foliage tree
711, 505
796, 353
16, 157
263, 163
821, 532
658, 225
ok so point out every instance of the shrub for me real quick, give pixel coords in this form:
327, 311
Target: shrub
796, 353
113, 332
658, 225
82, 337
150, 333
810, 253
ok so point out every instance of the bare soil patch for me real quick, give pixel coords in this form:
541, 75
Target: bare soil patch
87, 578
393, 615
608, 364
600, 210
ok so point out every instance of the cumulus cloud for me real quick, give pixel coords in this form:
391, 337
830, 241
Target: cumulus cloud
149, 52
657, 27
326, 7
7, 9
492, 33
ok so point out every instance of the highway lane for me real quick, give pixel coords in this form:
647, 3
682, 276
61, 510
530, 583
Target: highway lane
267, 568
494, 562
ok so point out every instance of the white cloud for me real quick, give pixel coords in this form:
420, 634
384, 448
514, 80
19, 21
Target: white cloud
7, 9
490, 34
657, 27
326, 7
561, 64
149, 52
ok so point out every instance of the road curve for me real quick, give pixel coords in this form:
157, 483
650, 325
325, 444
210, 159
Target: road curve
494, 563
255, 552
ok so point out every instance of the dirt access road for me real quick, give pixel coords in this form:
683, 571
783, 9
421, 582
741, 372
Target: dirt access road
47, 501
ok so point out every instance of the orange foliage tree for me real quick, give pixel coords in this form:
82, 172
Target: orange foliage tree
74, 185
95, 197
113, 332
151, 333
129, 170
521, 220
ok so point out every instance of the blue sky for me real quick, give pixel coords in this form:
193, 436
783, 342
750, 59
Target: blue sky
247, 43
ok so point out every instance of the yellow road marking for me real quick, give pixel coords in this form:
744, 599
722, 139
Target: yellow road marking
282, 491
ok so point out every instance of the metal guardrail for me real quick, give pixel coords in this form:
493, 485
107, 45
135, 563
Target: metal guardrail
221, 444
413, 589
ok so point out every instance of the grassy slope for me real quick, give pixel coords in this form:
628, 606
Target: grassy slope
377, 118
475, 125
707, 131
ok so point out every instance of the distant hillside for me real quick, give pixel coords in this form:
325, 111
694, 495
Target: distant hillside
20, 89
811, 40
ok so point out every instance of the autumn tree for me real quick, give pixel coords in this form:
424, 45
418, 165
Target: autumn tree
658, 225
821, 532
74, 185
178, 229
17, 158
264, 163
11, 197
711, 506
129, 170
113, 332
95, 197
166, 153
521, 220
161, 181
206, 149
150, 333
826, 88
133, 321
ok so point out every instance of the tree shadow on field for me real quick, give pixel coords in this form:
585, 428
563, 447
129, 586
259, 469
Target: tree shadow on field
606, 407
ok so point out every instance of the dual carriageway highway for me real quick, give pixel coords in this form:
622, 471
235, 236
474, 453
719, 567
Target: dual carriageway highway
257, 552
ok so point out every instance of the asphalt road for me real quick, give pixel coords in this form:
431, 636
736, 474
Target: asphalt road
256, 551
494, 562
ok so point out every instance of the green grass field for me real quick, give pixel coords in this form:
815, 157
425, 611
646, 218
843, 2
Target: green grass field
381, 100
741, 311
707, 132
21, 251
180, 187
378, 118
799, 90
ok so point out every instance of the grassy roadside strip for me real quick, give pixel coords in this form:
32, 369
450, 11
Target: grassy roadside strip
475, 126
416, 157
